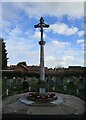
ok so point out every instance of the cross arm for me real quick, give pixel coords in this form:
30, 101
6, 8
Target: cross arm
37, 26
45, 25
41, 25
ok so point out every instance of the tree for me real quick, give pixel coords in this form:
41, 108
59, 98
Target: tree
4, 54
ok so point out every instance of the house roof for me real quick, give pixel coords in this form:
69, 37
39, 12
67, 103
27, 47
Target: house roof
25, 67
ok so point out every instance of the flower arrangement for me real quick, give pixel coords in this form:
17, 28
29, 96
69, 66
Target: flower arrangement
46, 97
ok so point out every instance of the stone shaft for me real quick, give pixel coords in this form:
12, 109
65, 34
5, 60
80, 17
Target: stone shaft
42, 69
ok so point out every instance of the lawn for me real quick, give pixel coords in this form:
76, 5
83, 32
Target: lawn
16, 88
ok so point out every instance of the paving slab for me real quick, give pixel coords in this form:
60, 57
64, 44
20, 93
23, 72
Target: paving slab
54, 110
60, 100
25, 100
71, 105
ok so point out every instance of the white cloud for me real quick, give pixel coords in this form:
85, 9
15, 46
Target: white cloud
55, 56
15, 32
68, 58
56, 47
63, 29
64, 60
21, 47
5, 25
58, 60
71, 31
37, 35
63, 54
59, 28
80, 33
59, 44
74, 59
37, 9
80, 41
49, 58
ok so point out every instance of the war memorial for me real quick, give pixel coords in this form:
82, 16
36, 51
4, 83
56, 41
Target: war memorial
43, 102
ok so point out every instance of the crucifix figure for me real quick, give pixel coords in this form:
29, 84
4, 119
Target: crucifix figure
42, 82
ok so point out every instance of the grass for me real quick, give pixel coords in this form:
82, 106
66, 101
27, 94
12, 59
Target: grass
71, 89
16, 88
13, 89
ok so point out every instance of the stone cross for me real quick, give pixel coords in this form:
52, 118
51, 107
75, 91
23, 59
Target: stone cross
42, 25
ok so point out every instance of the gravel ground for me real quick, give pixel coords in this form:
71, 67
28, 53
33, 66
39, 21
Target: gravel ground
72, 105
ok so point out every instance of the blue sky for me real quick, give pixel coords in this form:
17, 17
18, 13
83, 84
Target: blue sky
64, 38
